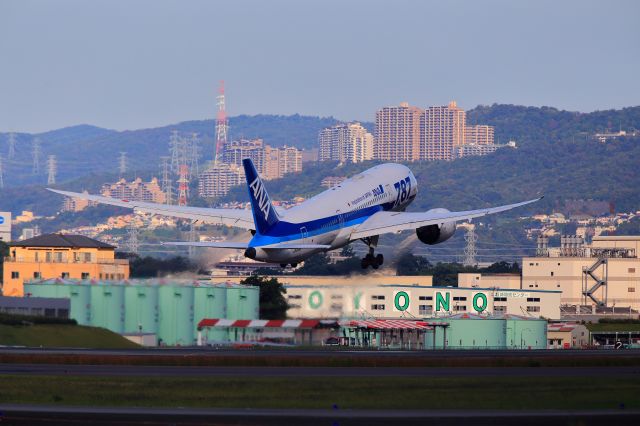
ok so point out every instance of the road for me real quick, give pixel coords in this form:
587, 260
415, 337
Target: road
274, 351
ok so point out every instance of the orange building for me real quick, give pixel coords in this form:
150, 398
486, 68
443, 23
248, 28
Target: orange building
60, 256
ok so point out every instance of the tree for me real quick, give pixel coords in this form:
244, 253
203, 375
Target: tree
273, 305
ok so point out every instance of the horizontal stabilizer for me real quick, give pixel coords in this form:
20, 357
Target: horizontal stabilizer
232, 245
296, 246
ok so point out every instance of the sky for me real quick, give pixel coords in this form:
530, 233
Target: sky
135, 64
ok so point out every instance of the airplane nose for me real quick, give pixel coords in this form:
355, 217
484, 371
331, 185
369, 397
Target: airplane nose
250, 253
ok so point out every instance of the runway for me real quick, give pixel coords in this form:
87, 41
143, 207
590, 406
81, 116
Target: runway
34, 414
233, 371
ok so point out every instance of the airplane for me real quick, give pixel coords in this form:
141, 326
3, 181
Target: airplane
361, 208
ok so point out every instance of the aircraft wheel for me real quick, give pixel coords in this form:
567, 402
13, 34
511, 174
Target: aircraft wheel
293, 265
375, 266
283, 265
364, 262
380, 259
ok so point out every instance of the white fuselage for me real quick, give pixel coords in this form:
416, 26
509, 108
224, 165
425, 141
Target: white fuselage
330, 217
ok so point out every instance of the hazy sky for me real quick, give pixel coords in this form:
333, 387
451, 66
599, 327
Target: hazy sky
134, 64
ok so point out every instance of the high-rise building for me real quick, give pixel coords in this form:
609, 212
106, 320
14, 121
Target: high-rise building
235, 151
281, 161
346, 143
480, 134
443, 130
397, 133
218, 179
136, 190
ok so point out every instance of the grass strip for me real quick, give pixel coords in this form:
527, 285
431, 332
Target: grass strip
312, 392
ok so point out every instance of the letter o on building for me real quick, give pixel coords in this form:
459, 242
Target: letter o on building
478, 307
405, 303
315, 299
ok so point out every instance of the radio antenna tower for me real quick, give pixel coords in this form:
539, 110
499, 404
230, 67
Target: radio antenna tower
183, 185
470, 249
222, 125
52, 169
122, 163
1, 173
12, 146
36, 152
166, 179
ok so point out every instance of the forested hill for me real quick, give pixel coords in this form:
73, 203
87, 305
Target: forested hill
556, 156
84, 149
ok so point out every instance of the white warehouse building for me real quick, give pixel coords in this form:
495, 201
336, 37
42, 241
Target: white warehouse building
417, 301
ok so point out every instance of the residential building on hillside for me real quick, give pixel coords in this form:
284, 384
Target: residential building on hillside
281, 161
136, 190
235, 151
72, 204
474, 150
217, 180
443, 130
397, 133
331, 181
60, 256
346, 143
480, 134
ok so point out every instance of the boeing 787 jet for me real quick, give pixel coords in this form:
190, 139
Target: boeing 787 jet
363, 207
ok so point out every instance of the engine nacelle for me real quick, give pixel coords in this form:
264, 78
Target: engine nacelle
436, 234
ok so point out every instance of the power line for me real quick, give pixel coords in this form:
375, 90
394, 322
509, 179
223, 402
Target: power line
122, 163
36, 152
166, 179
52, 169
470, 249
12, 146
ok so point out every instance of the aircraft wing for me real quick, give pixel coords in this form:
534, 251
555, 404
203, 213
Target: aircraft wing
232, 217
235, 245
388, 222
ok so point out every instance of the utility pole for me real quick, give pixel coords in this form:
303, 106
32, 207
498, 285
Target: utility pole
36, 152
1, 173
52, 169
122, 163
470, 248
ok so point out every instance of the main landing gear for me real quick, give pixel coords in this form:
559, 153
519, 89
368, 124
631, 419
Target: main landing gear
293, 265
371, 259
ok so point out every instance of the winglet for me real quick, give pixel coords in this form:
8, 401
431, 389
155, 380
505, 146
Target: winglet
264, 214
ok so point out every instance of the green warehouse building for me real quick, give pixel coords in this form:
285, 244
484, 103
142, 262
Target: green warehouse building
168, 309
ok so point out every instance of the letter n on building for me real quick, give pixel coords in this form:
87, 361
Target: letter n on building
443, 301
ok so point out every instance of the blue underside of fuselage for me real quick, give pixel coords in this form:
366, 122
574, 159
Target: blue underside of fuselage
284, 231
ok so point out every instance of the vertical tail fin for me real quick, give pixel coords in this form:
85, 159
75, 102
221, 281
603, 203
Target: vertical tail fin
264, 215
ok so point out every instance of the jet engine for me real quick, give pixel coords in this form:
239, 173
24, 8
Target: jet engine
436, 234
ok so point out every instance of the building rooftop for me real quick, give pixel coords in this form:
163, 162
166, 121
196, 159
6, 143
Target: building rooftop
60, 240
